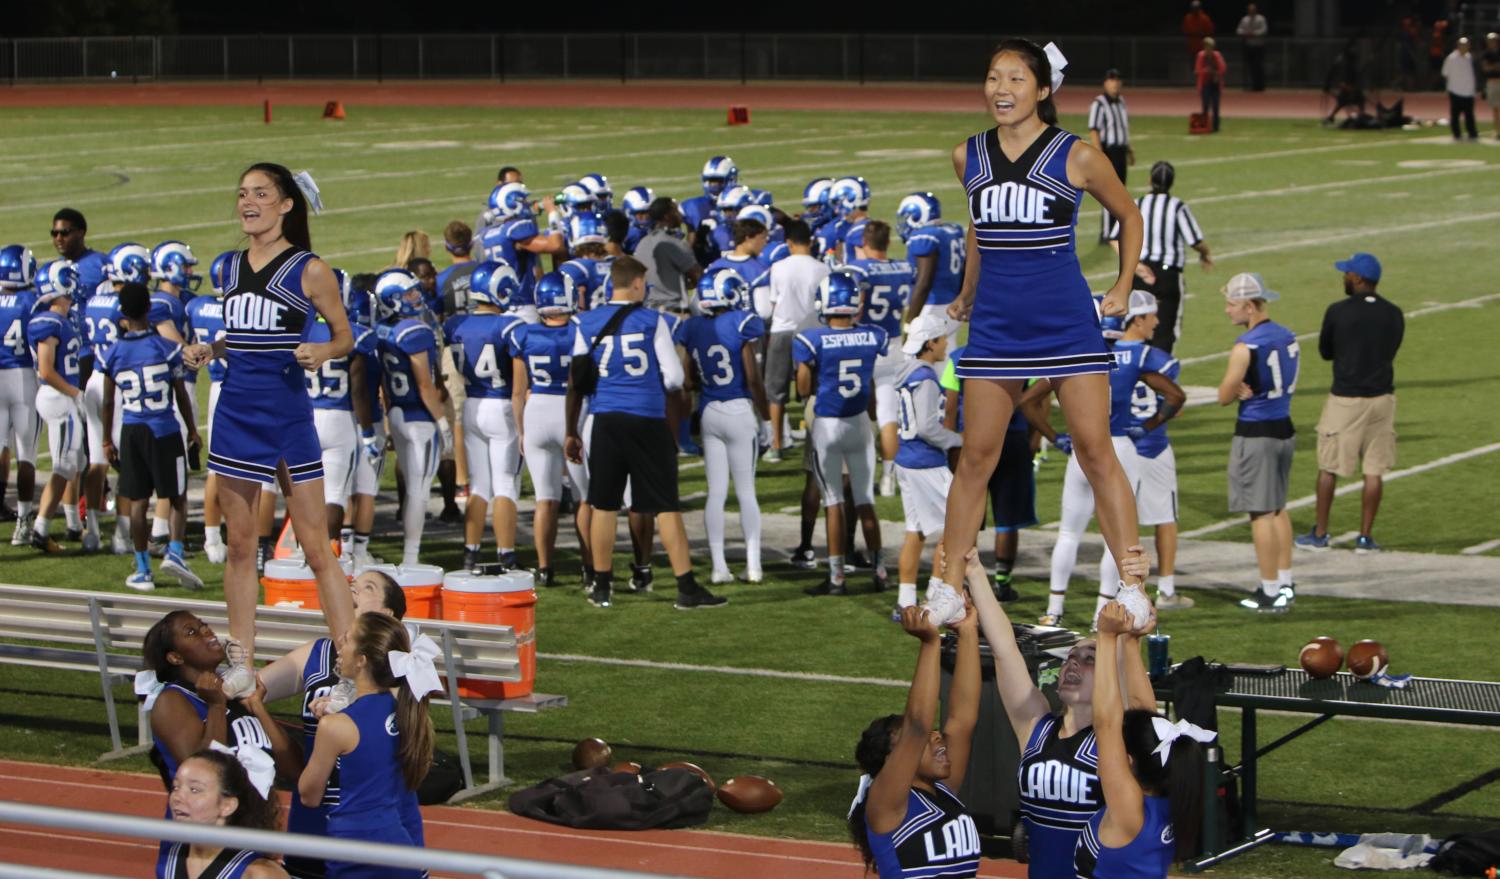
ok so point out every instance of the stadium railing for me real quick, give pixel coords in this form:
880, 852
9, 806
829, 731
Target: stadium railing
320, 847
1144, 60
101, 633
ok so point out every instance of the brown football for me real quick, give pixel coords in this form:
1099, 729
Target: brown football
1321, 657
693, 768
591, 753
629, 766
1367, 658
750, 794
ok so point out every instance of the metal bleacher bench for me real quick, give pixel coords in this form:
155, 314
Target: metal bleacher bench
101, 632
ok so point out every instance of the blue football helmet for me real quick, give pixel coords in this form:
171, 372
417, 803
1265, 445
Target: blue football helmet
587, 228
573, 199
758, 213
390, 294
1112, 328
557, 292
127, 263
638, 200
917, 210
598, 187
56, 278
839, 294
815, 199
218, 271
722, 289
509, 201
849, 194
17, 267
719, 173
732, 199
761, 197
346, 289
173, 261
493, 282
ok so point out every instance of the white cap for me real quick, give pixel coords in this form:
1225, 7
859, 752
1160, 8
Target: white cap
1249, 285
1141, 302
926, 328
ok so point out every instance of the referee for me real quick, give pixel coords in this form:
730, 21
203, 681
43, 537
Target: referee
1170, 230
1109, 132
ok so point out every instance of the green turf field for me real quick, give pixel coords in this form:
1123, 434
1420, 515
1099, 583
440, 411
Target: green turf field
1284, 198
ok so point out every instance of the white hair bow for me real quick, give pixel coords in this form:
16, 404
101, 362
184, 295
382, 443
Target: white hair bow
1169, 732
258, 765
419, 667
309, 189
859, 795
147, 684
1059, 62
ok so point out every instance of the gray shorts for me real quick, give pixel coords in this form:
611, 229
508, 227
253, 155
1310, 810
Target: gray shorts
1259, 470
779, 368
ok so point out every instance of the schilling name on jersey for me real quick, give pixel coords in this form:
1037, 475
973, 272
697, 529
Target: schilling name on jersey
1058, 782
251, 311
1012, 202
956, 839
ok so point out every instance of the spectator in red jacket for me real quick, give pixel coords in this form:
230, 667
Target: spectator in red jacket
1196, 26
1210, 68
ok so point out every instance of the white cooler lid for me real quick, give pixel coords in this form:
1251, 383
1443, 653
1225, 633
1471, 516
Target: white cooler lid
462, 581
288, 569
418, 575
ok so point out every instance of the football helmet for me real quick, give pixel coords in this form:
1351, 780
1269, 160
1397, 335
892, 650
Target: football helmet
638, 200
839, 295
56, 278
557, 293
128, 262
722, 289
173, 261
17, 267
493, 282
916, 210
390, 293
598, 187
849, 194
218, 271
719, 173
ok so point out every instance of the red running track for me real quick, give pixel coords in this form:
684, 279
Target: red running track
904, 98
676, 852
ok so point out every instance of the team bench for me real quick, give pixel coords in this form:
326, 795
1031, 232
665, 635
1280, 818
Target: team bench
101, 633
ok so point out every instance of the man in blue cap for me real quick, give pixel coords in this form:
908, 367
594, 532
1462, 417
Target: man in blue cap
1357, 430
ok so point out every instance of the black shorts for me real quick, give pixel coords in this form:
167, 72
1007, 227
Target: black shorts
151, 464
1013, 484
638, 449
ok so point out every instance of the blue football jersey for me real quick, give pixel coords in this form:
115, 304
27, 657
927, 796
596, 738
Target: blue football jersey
594, 273
1272, 375
698, 209
630, 369
1144, 401
166, 308
483, 344
548, 352
634, 235
48, 324
328, 387
499, 242
1132, 359
826, 237
887, 290
914, 452
90, 268
852, 235
753, 270
400, 341
722, 238
101, 319
945, 241
776, 249
144, 366
843, 360
205, 320
15, 313
715, 343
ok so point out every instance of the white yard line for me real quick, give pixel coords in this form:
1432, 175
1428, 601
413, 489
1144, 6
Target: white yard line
1480, 548
1351, 488
725, 670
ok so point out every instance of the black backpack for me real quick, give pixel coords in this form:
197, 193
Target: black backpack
1468, 854
583, 373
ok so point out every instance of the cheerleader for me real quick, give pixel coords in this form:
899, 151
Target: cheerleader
221, 787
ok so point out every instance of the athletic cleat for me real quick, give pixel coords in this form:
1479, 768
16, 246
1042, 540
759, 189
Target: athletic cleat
698, 598
22, 535
471, 559
239, 677
752, 576
640, 578
141, 581
91, 543
804, 559
771, 456
1289, 592
1050, 619
506, 560
827, 587
1005, 593
881, 580
73, 535
544, 577
599, 595
120, 544
1263, 603
1312, 540
174, 565
721, 577
45, 543
888, 482
1365, 544
857, 561
1175, 601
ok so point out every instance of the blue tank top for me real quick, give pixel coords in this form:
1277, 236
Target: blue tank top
265, 314
47, 324
716, 343
937, 838
318, 679
1272, 374
1148, 856
484, 345
1024, 208
15, 314
945, 243
1059, 794
888, 289
171, 863
547, 351
371, 786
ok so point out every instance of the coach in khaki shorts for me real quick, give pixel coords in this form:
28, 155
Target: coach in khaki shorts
1361, 335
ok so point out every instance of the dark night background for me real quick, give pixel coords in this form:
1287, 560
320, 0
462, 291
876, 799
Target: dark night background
61, 18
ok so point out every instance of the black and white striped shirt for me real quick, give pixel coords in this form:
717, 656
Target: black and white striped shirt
1110, 119
1170, 229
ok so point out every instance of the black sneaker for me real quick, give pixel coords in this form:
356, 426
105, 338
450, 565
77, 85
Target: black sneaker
858, 561
586, 577
507, 560
544, 577
640, 578
1263, 603
451, 515
700, 597
471, 559
1006, 593
1289, 593
7, 514
73, 535
804, 559
882, 581
599, 596
827, 587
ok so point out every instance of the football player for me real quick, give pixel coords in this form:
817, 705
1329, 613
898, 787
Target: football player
887, 284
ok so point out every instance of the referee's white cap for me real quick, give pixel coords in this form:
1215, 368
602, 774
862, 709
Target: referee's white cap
1249, 285
1141, 302
926, 328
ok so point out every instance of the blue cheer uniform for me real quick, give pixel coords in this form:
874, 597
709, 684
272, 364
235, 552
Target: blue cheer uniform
372, 789
937, 838
1148, 856
1060, 792
171, 863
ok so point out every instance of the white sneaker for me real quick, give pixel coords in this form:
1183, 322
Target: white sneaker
1175, 601
888, 483
346, 564
22, 535
719, 577
239, 677
216, 553
141, 582
174, 565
